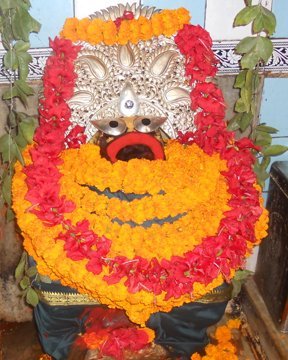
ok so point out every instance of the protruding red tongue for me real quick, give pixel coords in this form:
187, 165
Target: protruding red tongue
135, 138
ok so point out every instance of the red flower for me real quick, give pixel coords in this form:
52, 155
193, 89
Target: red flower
209, 98
64, 49
76, 137
195, 43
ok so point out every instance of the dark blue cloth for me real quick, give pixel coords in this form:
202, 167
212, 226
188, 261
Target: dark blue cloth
183, 330
58, 327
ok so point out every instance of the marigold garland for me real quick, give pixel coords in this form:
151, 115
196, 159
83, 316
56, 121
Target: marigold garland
128, 29
75, 253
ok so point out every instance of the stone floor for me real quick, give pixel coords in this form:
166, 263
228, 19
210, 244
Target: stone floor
19, 342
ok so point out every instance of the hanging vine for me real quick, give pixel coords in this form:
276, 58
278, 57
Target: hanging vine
16, 25
256, 50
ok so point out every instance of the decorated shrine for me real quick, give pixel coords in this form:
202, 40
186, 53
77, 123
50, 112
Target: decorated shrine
135, 199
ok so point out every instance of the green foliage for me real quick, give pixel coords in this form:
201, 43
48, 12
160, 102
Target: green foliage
239, 279
27, 276
255, 50
16, 24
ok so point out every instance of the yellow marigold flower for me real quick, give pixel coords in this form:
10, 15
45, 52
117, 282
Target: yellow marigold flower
124, 33
157, 24
82, 29
145, 28
70, 29
109, 33
223, 334
183, 16
95, 31
134, 31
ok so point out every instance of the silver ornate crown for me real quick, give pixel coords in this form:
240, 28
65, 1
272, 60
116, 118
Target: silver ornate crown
146, 79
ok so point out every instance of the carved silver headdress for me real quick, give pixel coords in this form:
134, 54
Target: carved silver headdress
146, 79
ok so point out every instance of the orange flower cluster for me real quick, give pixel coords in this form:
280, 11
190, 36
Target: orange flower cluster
96, 31
208, 191
224, 349
177, 186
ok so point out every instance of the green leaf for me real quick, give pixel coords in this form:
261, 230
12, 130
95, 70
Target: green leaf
246, 121
239, 279
264, 48
24, 87
242, 275
265, 21
265, 161
10, 60
255, 81
240, 106
8, 4
261, 173
233, 124
45, 279
20, 139
265, 128
21, 46
28, 127
10, 150
24, 283
5, 144
275, 150
24, 59
246, 15
12, 122
32, 297
6, 189
240, 79
9, 214
246, 45
23, 24
11, 93
263, 138
31, 271
20, 89
19, 271
249, 60
246, 95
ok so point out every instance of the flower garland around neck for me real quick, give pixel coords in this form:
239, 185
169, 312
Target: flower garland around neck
75, 253
126, 28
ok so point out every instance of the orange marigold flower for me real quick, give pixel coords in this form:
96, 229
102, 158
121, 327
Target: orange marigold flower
183, 16
157, 24
223, 334
145, 28
124, 33
95, 31
70, 29
109, 33
82, 29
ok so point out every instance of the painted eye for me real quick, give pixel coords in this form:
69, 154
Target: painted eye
148, 124
113, 127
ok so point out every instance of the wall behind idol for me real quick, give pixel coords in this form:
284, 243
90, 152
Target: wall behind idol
217, 17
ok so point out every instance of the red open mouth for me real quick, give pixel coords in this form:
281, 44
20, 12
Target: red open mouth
135, 145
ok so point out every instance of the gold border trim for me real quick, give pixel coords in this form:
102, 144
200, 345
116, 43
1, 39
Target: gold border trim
69, 299
217, 295
65, 299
